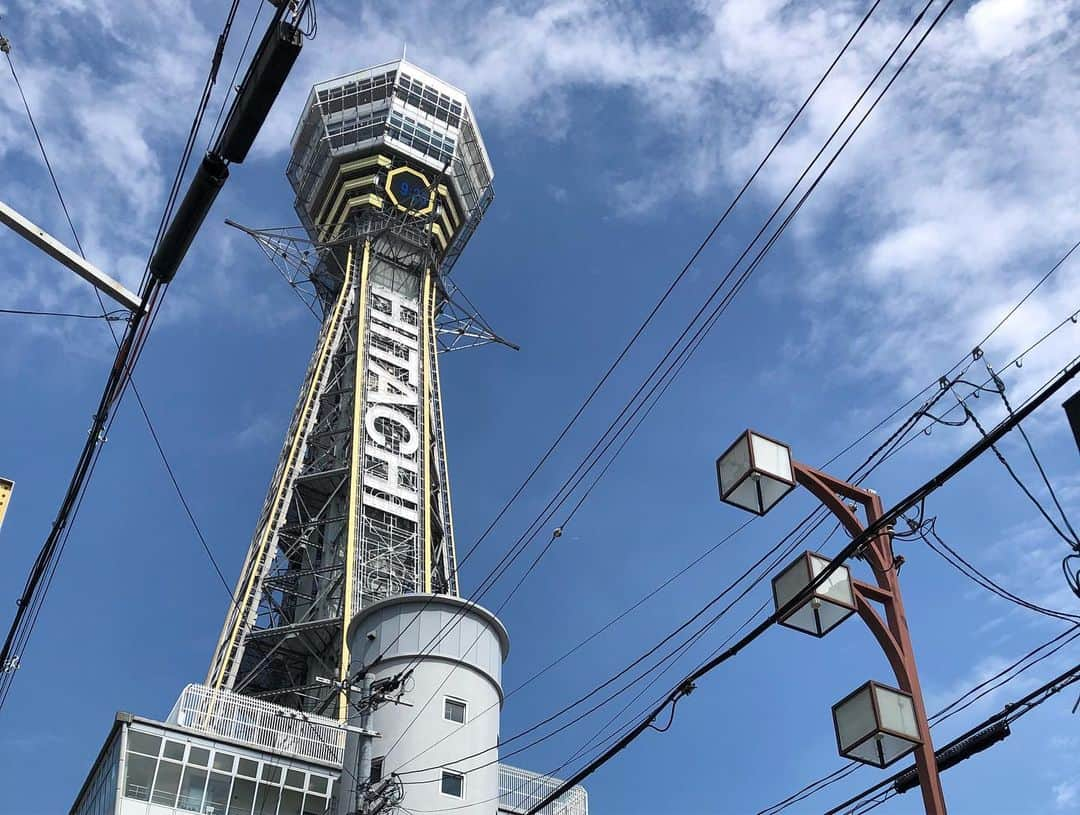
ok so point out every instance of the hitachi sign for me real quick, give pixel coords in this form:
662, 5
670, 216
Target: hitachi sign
391, 471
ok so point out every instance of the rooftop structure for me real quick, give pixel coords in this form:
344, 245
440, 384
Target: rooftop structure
249, 758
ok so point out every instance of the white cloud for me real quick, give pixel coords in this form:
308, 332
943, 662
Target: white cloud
961, 190
1066, 795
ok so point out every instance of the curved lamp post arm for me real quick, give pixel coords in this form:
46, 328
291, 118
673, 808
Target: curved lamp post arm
892, 632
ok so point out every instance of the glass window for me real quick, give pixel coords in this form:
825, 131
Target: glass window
199, 756
217, 794
248, 767
294, 778
376, 769
271, 773
223, 762
290, 802
166, 784
144, 743
191, 789
266, 799
453, 784
317, 783
315, 805
140, 776
242, 798
454, 710
174, 749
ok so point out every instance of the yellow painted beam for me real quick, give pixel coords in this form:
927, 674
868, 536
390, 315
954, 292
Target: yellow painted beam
277, 507
346, 186
450, 566
352, 539
449, 199
437, 231
427, 301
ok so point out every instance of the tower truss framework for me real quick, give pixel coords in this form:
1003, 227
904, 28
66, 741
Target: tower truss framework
359, 508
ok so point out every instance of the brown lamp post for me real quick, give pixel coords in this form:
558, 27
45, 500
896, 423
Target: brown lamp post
875, 724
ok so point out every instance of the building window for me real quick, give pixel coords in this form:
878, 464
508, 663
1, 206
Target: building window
453, 784
376, 769
454, 710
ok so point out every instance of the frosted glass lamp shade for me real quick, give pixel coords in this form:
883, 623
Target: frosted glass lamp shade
830, 603
755, 473
876, 725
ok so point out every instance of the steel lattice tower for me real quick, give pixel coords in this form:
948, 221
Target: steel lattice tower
391, 178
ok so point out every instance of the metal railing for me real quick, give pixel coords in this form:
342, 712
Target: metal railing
259, 724
519, 790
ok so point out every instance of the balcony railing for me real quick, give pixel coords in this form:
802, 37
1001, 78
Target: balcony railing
259, 724
520, 789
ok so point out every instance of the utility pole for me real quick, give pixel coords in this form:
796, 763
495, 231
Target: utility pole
365, 795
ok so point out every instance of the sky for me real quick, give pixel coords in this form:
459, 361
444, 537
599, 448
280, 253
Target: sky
619, 132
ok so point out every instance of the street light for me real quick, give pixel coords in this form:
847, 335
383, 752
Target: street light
827, 606
875, 724
755, 473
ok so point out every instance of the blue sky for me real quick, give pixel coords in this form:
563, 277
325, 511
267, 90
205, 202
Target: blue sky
618, 134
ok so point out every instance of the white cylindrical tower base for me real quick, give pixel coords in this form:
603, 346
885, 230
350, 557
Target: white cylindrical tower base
456, 650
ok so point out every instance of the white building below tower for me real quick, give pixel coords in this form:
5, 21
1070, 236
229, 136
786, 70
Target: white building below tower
220, 753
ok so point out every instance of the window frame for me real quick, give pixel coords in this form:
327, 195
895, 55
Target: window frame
448, 700
442, 777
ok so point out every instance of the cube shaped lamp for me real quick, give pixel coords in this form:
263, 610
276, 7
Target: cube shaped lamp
876, 725
755, 473
830, 603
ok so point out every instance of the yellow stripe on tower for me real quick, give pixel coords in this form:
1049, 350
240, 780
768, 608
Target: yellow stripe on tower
277, 508
355, 495
425, 353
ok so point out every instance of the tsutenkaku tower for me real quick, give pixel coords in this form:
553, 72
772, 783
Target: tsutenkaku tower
391, 178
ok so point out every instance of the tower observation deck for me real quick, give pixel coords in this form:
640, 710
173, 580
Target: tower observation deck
391, 178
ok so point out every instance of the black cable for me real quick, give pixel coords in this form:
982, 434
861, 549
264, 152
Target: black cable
965, 567
674, 283
117, 314
1019, 482
510, 557
41, 147
128, 351
1009, 713
516, 549
871, 530
1035, 457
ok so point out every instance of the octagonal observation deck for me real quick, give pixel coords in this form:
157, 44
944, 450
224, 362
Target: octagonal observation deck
361, 124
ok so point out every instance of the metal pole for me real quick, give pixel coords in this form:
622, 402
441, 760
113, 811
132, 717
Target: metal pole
892, 634
366, 747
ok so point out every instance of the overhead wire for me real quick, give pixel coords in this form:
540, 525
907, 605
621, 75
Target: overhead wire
116, 314
1009, 714
874, 528
128, 351
695, 341
674, 283
516, 549
893, 439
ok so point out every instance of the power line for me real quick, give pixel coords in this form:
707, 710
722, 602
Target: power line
885, 450
497, 572
680, 359
962, 702
129, 349
872, 529
1008, 714
894, 443
957, 561
118, 314
674, 283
